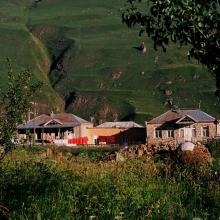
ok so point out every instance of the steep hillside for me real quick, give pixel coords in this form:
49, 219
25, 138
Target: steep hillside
92, 63
24, 49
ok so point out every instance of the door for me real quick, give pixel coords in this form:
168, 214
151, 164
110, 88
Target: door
188, 134
218, 129
95, 140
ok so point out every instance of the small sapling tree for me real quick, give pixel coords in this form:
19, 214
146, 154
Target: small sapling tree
15, 102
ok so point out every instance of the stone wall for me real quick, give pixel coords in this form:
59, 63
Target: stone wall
152, 140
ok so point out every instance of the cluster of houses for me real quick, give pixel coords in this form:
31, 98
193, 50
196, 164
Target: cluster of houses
173, 127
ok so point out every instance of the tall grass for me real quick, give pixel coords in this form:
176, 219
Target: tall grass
34, 188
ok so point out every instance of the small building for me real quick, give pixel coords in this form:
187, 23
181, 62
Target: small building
120, 133
61, 129
180, 125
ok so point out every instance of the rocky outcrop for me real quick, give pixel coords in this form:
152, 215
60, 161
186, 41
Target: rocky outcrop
188, 154
127, 152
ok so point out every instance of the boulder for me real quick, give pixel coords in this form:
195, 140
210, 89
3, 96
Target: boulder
119, 157
140, 152
187, 146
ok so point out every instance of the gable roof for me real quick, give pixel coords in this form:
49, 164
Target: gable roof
53, 122
174, 115
186, 119
64, 120
120, 124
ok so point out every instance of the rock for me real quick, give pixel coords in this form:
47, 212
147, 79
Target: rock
69, 155
168, 92
144, 50
187, 146
169, 82
140, 152
119, 157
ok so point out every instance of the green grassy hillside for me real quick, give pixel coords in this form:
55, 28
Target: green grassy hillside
87, 58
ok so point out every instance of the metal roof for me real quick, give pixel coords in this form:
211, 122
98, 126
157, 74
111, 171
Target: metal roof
120, 124
61, 120
175, 115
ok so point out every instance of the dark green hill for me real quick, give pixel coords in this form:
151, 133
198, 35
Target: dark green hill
90, 65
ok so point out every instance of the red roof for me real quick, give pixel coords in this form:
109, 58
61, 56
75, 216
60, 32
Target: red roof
60, 120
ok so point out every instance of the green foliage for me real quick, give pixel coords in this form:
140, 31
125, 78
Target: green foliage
15, 103
93, 153
188, 22
80, 188
32, 149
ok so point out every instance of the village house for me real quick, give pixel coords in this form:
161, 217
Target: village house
61, 129
120, 133
180, 125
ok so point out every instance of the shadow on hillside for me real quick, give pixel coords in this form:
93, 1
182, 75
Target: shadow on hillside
69, 99
136, 48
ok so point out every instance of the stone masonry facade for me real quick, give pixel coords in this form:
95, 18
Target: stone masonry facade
177, 135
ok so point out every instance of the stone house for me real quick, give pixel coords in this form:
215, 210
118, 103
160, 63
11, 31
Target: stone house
180, 125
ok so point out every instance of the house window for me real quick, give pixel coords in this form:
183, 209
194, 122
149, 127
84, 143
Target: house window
125, 140
193, 132
158, 133
205, 131
170, 133
182, 133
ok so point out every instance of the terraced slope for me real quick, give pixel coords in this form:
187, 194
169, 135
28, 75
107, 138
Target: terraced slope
24, 49
92, 63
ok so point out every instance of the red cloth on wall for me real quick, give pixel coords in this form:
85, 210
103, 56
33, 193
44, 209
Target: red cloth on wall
81, 140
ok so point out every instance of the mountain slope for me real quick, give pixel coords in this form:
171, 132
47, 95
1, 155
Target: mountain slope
91, 61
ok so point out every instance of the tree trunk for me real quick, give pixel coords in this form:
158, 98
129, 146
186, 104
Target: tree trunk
217, 76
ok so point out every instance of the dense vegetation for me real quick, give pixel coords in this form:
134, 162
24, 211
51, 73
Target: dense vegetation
90, 65
82, 187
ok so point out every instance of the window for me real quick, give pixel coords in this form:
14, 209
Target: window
193, 132
205, 131
158, 133
170, 133
125, 140
182, 133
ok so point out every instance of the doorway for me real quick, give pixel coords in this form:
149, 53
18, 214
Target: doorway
188, 134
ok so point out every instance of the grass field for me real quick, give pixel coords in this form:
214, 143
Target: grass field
82, 187
88, 61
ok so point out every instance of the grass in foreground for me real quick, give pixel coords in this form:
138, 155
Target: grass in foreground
35, 188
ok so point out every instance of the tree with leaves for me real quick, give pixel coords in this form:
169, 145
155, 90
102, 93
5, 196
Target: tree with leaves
15, 102
188, 22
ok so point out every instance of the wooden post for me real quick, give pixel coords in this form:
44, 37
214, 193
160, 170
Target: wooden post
59, 133
42, 135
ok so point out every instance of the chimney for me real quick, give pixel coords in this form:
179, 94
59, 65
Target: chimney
92, 119
176, 109
51, 114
